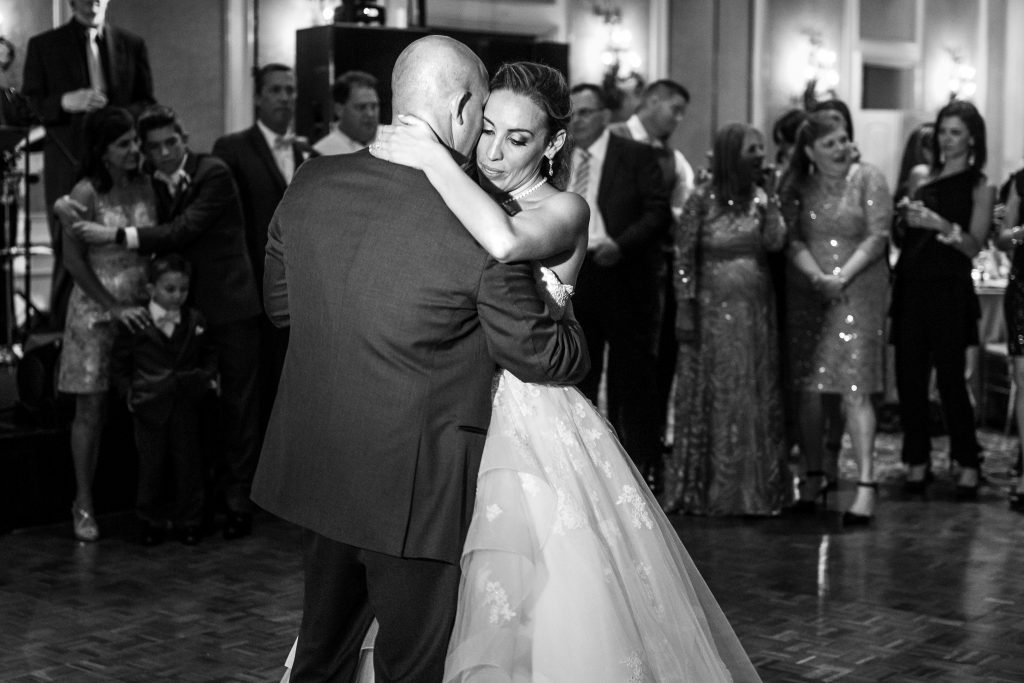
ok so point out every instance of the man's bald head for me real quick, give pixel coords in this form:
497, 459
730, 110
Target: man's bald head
441, 81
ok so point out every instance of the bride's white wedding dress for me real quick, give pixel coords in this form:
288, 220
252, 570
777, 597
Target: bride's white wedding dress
571, 572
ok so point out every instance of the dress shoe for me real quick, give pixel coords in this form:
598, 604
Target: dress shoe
918, 487
1017, 501
190, 535
237, 525
84, 524
151, 535
967, 486
808, 506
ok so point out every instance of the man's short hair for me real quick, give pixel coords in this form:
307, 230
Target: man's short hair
157, 116
162, 264
348, 81
666, 87
598, 91
260, 74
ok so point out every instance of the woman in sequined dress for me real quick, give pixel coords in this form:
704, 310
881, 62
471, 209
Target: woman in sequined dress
838, 214
109, 285
570, 570
729, 449
944, 223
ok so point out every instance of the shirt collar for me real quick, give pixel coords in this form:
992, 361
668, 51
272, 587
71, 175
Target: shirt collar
637, 130
156, 311
269, 135
599, 148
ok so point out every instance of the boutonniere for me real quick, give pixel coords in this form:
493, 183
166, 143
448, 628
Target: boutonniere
199, 329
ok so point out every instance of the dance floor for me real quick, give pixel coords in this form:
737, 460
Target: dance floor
933, 591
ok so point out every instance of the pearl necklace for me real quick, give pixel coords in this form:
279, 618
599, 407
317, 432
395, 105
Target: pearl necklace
516, 196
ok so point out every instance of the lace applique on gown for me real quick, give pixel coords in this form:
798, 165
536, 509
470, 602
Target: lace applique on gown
571, 572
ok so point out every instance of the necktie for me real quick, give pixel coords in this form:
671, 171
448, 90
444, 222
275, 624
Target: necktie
581, 178
92, 55
284, 141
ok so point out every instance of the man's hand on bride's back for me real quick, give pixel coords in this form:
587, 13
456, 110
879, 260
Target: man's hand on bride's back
409, 143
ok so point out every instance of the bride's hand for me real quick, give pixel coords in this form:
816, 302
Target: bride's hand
411, 143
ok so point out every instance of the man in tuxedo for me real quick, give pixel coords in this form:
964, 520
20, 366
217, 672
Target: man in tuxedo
619, 290
77, 68
201, 218
398, 318
356, 113
662, 107
263, 159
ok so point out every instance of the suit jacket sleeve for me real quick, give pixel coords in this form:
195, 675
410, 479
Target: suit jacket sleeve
213, 193
522, 337
275, 286
45, 99
652, 223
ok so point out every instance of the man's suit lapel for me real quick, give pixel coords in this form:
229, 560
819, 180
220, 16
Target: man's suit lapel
612, 161
259, 143
74, 52
111, 42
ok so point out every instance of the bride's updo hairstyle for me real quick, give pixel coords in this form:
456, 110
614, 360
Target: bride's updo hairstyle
545, 87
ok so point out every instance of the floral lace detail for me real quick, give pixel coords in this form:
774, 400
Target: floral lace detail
643, 572
496, 600
558, 292
493, 512
640, 514
636, 667
569, 513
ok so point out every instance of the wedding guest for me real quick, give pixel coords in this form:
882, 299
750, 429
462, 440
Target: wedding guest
356, 114
164, 370
729, 450
1009, 238
109, 282
935, 310
72, 70
838, 213
917, 151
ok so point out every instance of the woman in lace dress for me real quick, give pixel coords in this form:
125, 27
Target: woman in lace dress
109, 286
838, 213
570, 571
729, 450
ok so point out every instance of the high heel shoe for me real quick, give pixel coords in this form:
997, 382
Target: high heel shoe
807, 506
855, 518
84, 524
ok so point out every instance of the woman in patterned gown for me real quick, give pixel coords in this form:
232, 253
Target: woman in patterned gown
945, 221
570, 570
730, 448
109, 286
838, 213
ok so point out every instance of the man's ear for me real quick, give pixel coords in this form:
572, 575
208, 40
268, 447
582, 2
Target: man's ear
457, 106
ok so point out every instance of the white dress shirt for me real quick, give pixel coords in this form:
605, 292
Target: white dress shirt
598, 150
336, 142
284, 154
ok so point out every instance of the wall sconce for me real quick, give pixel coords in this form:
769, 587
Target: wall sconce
820, 74
961, 79
621, 64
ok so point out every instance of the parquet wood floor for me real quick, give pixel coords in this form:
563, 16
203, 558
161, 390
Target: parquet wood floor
933, 591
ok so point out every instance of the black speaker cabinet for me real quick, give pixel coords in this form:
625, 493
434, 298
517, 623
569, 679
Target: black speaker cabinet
325, 52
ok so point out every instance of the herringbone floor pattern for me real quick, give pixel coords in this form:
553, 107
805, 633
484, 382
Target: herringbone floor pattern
934, 591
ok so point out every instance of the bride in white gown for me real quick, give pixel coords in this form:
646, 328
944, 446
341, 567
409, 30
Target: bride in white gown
570, 571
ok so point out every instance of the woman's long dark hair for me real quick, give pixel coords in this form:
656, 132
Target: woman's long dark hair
101, 128
731, 182
547, 88
968, 113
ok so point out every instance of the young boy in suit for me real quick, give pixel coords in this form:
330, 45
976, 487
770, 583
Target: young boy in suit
165, 370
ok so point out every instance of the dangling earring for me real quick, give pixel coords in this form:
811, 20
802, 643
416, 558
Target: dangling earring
551, 167
970, 156
942, 158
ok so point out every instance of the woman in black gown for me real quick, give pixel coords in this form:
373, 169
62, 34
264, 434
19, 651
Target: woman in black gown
935, 311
